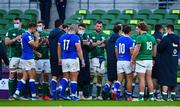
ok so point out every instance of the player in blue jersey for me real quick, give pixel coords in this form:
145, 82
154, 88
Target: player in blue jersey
27, 61
124, 48
69, 49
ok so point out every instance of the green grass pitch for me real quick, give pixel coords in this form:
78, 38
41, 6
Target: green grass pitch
5, 103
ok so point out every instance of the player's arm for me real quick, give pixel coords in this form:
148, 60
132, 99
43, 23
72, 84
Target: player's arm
9, 41
135, 52
80, 53
34, 44
116, 51
59, 53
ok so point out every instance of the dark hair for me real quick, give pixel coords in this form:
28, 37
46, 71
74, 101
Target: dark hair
158, 27
18, 18
170, 26
64, 26
142, 26
99, 22
58, 23
117, 28
82, 25
126, 29
30, 25
41, 21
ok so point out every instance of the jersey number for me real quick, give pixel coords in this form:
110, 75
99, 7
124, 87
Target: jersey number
121, 48
66, 44
149, 45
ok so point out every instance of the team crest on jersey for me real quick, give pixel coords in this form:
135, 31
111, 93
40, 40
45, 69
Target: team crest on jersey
175, 52
14, 34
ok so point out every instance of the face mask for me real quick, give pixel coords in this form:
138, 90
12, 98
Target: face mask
16, 26
39, 29
81, 32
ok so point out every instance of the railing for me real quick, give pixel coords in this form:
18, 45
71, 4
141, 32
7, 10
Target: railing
10, 3
167, 4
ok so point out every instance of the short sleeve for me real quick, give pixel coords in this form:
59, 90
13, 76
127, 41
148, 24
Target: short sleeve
77, 39
116, 44
138, 40
154, 41
29, 38
131, 45
60, 41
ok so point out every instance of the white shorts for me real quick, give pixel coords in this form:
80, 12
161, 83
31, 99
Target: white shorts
43, 65
124, 67
14, 63
28, 64
143, 66
70, 65
97, 66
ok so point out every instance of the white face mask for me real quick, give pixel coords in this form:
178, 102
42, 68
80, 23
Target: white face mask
39, 29
16, 26
81, 32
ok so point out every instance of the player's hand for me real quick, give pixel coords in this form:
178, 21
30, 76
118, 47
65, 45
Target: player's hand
39, 55
99, 42
86, 42
83, 64
18, 38
60, 62
37, 35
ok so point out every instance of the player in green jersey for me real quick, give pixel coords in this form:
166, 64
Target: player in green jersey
42, 59
98, 39
144, 51
13, 43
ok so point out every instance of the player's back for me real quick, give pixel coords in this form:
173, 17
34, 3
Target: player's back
27, 49
147, 42
68, 45
123, 44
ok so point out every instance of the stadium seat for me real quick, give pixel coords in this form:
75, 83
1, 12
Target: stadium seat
129, 11
105, 22
34, 13
107, 32
174, 11
171, 16
146, 12
155, 17
124, 17
160, 12
177, 27
91, 27
114, 12
82, 12
133, 27
165, 21
3, 23
140, 17
108, 17
98, 12
93, 17
177, 22
70, 21
26, 19
86, 21
151, 22
133, 22
117, 21
8, 26
2, 13
77, 17
10, 18
109, 27
15, 12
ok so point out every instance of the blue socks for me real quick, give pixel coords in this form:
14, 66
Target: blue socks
63, 85
117, 84
53, 89
106, 87
32, 87
20, 86
73, 88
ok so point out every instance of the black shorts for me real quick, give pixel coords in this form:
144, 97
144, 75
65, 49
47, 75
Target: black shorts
56, 70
